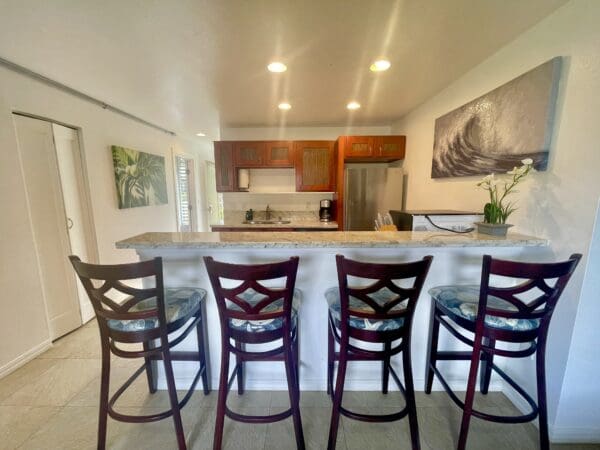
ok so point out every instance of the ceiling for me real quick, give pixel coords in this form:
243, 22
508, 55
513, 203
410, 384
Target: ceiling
199, 65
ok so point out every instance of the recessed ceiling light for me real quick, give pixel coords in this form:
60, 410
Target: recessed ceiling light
277, 67
200, 134
380, 65
353, 105
284, 106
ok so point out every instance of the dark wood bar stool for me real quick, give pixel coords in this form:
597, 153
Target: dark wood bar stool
499, 314
147, 316
381, 312
252, 313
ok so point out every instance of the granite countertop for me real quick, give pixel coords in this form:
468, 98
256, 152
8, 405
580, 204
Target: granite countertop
293, 224
326, 239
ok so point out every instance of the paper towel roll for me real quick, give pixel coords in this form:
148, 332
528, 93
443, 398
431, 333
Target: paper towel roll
243, 179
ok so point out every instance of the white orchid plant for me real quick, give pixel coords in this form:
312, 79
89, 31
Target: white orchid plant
499, 208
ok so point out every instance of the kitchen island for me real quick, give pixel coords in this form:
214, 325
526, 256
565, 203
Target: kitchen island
457, 259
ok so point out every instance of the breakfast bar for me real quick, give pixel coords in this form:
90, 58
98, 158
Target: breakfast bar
457, 259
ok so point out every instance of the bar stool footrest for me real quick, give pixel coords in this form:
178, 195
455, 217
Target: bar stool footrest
258, 419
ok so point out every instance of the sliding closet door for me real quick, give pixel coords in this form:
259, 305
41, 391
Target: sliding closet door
48, 218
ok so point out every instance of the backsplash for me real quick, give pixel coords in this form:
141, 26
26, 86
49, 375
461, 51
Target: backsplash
302, 202
238, 216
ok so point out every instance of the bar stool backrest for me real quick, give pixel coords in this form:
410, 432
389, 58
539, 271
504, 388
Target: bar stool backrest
230, 300
100, 280
385, 276
536, 282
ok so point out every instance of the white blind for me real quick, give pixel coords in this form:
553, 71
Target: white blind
183, 194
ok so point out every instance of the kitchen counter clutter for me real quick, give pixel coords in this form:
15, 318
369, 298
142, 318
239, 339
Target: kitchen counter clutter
456, 259
274, 225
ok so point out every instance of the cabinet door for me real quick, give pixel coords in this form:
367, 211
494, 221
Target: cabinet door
358, 147
315, 166
249, 154
224, 170
392, 147
279, 153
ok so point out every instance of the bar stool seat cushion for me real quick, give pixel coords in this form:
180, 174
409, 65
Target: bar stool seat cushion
257, 326
463, 300
382, 296
179, 303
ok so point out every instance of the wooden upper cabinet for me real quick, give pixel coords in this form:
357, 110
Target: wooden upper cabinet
224, 167
358, 146
390, 147
315, 166
372, 148
249, 154
279, 153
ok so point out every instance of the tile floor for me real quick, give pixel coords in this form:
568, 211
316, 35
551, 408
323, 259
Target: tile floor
52, 403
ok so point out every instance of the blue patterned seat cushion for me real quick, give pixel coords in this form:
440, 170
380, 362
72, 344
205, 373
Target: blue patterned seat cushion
256, 326
179, 302
381, 297
463, 300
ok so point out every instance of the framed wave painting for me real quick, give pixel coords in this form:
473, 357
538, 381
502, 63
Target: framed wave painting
140, 178
494, 132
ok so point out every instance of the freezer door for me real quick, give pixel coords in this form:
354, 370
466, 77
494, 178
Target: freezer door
369, 191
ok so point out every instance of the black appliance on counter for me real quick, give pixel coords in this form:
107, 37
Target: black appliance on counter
325, 210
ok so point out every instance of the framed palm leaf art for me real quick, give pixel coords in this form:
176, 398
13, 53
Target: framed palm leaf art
140, 178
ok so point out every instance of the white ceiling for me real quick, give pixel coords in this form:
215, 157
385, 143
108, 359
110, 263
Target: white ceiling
197, 65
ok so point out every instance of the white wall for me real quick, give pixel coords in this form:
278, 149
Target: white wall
23, 325
558, 204
300, 133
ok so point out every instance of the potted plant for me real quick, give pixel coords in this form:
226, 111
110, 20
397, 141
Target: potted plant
497, 210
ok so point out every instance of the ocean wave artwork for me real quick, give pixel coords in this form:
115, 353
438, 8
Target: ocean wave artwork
494, 132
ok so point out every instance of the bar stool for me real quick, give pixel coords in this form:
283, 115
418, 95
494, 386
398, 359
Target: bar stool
381, 312
496, 314
145, 316
252, 313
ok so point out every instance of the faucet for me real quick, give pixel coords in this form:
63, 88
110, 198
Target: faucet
268, 213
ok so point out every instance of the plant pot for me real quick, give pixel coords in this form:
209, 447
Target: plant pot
494, 229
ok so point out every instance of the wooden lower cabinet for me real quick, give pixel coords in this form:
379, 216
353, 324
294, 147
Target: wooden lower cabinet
315, 166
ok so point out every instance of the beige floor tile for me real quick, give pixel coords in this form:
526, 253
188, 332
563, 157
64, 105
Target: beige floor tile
236, 435
58, 385
249, 399
23, 376
17, 423
83, 343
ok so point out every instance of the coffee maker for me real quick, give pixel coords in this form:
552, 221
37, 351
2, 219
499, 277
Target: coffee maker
325, 210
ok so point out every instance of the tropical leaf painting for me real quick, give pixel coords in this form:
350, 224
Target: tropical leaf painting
140, 178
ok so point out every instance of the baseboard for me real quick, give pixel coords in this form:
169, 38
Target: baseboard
24, 358
574, 435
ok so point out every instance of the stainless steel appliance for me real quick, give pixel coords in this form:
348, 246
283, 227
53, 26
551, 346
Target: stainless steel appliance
433, 220
369, 189
325, 210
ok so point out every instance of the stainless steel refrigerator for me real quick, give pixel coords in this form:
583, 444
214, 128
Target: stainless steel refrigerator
369, 189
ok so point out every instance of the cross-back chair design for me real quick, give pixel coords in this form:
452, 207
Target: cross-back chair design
146, 316
252, 313
381, 312
496, 313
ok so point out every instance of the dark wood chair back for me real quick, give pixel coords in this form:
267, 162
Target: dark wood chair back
99, 280
384, 276
251, 277
536, 283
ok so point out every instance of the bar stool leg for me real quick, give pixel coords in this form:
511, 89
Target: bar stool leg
385, 367
202, 355
485, 371
540, 366
294, 393
432, 348
330, 360
239, 367
104, 389
222, 399
173, 396
151, 367
469, 395
337, 396
410, 398
296, 360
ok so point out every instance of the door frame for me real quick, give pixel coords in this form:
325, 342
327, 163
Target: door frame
84, 186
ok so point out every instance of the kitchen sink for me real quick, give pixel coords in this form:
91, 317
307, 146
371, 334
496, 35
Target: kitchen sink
266, 222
